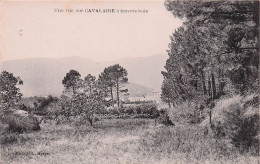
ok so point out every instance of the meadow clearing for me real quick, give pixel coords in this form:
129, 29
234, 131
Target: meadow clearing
120, 141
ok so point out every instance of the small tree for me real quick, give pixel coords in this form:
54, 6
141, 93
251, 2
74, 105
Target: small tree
119, 74
86, 106
114, 76
106, 83
71, 80
84, 103
89, 102
166, 95
9, 93
90, 82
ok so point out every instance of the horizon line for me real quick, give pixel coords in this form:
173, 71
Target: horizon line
73, 56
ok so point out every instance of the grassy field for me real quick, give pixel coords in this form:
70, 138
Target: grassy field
120, 141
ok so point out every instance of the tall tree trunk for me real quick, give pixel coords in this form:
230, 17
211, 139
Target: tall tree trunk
117, 91
221, 87
210, 117
112, 98
203, 83
256, 16
169, 102
90, 121
213, 86
221, 83
243, 82
209, 86
196, 85
73, 89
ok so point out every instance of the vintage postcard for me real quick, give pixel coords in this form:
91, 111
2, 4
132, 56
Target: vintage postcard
144, 81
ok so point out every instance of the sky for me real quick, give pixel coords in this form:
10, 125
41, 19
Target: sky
35, 30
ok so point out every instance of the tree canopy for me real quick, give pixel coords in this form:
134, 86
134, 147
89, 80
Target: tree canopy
214, 52
71, 80
114, 76
9, 92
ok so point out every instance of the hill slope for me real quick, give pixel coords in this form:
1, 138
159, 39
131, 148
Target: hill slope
43, 76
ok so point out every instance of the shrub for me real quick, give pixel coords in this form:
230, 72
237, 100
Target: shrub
130, 110
114, 111
8, 138
146, 109
242, 129
245, 136
38, 105
189, 112
103, 111
20, 124
238, 120
3, 128
163, 118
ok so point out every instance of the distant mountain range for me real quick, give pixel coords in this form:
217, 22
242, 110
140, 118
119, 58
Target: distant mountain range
43, 76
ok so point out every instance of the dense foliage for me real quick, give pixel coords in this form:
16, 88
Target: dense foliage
114, 77
71, 80
9, 92
215, 51
82, 99
214, 56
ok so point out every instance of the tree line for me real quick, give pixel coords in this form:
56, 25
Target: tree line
88, 96
214, 53
109, 83
80, 97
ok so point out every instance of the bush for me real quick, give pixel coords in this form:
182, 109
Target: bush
8, 138
245, 136
114, 111
163, 118
146, 109
130, 110
189, 112
3, 128
12, 124
38, 105
20, 124
242, 129
237, 118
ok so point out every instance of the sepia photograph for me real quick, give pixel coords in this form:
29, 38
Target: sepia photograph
129, 82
